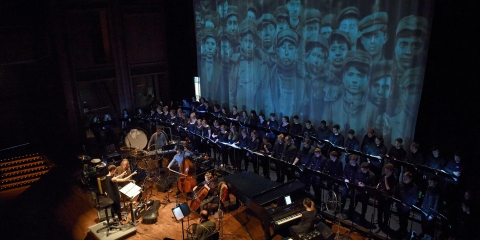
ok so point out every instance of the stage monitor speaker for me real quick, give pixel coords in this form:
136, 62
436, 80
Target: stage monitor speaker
164, 184
326, 232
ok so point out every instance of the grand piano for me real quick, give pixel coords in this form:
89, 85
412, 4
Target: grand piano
267, 200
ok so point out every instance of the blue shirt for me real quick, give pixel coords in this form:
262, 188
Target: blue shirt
178, 159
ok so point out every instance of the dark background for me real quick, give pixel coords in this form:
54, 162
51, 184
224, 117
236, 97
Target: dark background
49, 48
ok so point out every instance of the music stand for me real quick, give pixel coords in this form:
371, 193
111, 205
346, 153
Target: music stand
131, 190
180, 212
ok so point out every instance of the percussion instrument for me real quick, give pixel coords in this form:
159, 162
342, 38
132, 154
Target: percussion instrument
95, 161
83, 157
126, 149
136, 138
137, 153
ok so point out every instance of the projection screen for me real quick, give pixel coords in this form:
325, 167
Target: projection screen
359, 64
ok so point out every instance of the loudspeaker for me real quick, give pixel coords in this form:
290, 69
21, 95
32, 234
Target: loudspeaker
327, 233
164, 184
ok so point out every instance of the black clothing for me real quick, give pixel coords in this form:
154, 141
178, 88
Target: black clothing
398, 155
350, 173
277, 154
367, 141
430, 205
265, 161
407, 193
114, 194
384, 204
337, 140
305, 225
368, 179
289, 154
317, 164
352, 144
309, 132
253, 146
296, 129
304, 154
376, 165
435, 163
335, 170
323, 133
285, 129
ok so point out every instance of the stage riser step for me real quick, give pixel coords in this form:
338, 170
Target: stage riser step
20, 161
24, 171
19, 157
25, 166
16, 185
22, 177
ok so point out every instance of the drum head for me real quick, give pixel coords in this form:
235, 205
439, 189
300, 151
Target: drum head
95, 160
136, 138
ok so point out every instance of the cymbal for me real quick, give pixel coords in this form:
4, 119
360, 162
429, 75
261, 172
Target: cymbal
126, 149
137, 153
83, 157
95, 160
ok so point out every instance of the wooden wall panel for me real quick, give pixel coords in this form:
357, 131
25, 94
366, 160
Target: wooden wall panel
144, 37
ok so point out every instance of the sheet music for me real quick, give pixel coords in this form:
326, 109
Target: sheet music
131, 190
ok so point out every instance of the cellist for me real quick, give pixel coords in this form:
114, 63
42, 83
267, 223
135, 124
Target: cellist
178, 161
211, 200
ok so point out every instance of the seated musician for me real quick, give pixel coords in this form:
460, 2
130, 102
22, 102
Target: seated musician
350, 172
266, 148
210, 202
308, 219
112, 188
407, 192
159, 139
363, 178
124, 167
205, 227
177, 161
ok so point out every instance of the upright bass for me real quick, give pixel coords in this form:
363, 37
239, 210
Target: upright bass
186, 181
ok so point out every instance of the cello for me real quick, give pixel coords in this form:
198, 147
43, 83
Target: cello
202, 193
186, 181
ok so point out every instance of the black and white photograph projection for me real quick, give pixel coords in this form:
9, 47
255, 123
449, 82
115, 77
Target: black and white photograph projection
356, 64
